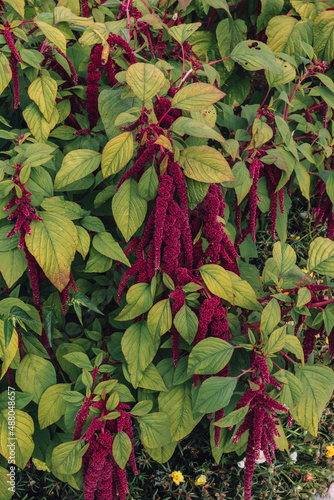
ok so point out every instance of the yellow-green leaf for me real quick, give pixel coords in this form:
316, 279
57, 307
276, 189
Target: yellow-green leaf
51, 407
182, 32
116, 154
76, 165
159, 319
83, 241
17, 440
5, 72
43, 91
218, 281
38, 125
7, 354
67, 457
6, 488
196, 96
183, 125
205, 164
34, 375
289, 74
145, 80
53, 243
128, 208
321, 256
285, 33
105, 244
12, 265
324, 36
18, 6
54, 35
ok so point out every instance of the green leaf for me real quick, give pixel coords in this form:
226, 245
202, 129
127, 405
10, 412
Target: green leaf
145, 80
19, 313
79, 359
308, 10
18, 6
5, 72
75, 166
34, 375
43, 91
253, 56
139, 300
128, 208
232, 418
291, 391
276, 340
38, 125
121, 449
116, 154
284, 257
318, 384
51, 407
323, 36
303, 178
194, 128
18, 438
54, 35
289, 74
269, 9
304, 296
72, 396
7, 353
243, 181
285, 32
321, 256
182, 32
142, 408
292, 344
8, 329
5, 492
209, 356
186, 323
106, 385
67, 457
229, 33
112, 401
53, 243
154, 429
177, 405
163, 453
83, 241
152, 379
244, 294
138, 350
270, 318
330, 186
105, 244
218, 281
214, 394
159, 319
205, 164
97, 263
148, 184
196, 97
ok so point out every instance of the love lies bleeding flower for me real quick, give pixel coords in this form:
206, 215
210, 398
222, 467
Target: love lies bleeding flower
330, 451
201, 480
177, 477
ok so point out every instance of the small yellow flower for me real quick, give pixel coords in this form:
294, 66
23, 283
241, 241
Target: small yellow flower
200, 480
330, 451
177, 477
326, 340
297, 238
40, 465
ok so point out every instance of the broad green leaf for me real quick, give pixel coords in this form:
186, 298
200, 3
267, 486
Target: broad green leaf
284, 257
214, 394
182, 32
196, 96
152, 379
138, 350
323, 31
97, 263
218, 281
18, 438
292, 344
291, 391
54, 35
105, 386
205, 164
51, 407
148, 184
318, 385
139, 300
232, 418
128, 208
219, 4
321, 256
53, 243
83, 241
327, 95
79, 359
5, 492
121, 449
142, 408
145, 80
229, 33
269, 9
289, 74
303, 178
105, 244
285, 33
159, 319
43, 91
253, 56
163, 453
154, 429
194, 128
186, 323
34, 375
304, 296
177, 405
67, 457
63, 207
308, 10
75, 166
7, 354
18, 6
38, 125
209, 356
261, 133
12, 265
270, 318
116, 154
276, 340
243, 293
5, 72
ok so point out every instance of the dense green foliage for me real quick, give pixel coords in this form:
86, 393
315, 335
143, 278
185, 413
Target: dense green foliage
153, 155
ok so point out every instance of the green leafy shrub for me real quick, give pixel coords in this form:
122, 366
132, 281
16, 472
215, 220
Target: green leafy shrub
152, 157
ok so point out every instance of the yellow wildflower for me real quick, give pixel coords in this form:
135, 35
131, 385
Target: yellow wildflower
200, 480
297, 238
330, 451
40, 465
177, 477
